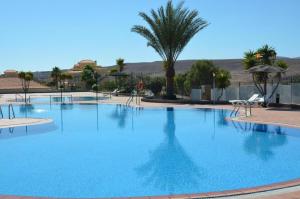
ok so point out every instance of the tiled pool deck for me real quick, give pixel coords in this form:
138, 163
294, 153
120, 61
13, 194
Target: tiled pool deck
286, 117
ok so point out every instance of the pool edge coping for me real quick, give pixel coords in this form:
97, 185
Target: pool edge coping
217, 194
22, 122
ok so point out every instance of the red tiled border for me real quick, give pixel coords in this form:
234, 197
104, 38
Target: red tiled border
272, 187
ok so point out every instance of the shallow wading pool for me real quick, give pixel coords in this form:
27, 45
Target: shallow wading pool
117, 151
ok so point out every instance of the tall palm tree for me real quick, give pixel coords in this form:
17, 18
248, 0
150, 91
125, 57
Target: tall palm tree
170, 30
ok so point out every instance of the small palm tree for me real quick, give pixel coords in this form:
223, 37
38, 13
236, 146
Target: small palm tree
120, 63
170, 30
222, 80
25, 78
250, 59
265, 55
88, 76
55, 74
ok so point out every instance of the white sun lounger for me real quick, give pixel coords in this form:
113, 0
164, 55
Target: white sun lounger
115, 92
250, 100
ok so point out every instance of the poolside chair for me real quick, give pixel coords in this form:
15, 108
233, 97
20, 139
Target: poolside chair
148, 93
238, 103
115, 92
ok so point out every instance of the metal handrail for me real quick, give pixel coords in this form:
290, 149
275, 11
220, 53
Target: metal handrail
70, 97
237, 108
11, 112
129, 100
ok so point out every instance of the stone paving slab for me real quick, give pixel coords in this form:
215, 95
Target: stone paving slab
7, 123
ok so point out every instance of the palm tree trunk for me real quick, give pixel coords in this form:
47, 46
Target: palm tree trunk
170, 73
274, 89
265, 93
258, 86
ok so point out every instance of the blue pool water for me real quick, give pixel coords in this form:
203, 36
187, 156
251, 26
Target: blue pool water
113, 151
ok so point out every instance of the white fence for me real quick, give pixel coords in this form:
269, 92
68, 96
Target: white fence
288, 93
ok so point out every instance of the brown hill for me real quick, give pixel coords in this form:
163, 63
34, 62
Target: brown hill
13, 84
235, 66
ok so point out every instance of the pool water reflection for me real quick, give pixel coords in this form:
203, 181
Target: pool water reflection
116, 151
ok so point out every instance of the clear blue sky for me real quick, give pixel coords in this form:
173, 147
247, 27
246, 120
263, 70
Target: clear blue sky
41, 34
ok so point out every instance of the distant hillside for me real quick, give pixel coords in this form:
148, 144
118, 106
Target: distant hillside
235, 66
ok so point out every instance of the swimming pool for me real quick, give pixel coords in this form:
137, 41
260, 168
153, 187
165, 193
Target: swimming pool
115, 151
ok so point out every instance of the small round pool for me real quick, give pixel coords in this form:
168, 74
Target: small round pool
116, 151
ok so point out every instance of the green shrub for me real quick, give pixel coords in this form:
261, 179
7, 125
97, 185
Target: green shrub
156, 84
179, 83
201, 73
108, 85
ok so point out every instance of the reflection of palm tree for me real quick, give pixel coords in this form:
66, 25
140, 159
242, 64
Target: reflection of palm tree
222, 121
26, 108
169, 167
67, 106
120, 114
262, 141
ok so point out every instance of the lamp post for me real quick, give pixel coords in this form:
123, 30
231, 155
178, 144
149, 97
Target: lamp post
61, 87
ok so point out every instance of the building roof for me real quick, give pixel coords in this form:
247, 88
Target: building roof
86, 61
74, 72
10, 71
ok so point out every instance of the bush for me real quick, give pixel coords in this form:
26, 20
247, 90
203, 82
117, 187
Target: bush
187, 87
179, 83
108, 85
156, 84
201, 73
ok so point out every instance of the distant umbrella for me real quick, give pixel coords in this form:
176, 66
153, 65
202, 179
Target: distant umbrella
266, 69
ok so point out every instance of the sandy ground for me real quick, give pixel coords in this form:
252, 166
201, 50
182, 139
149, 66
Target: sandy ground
286, 117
